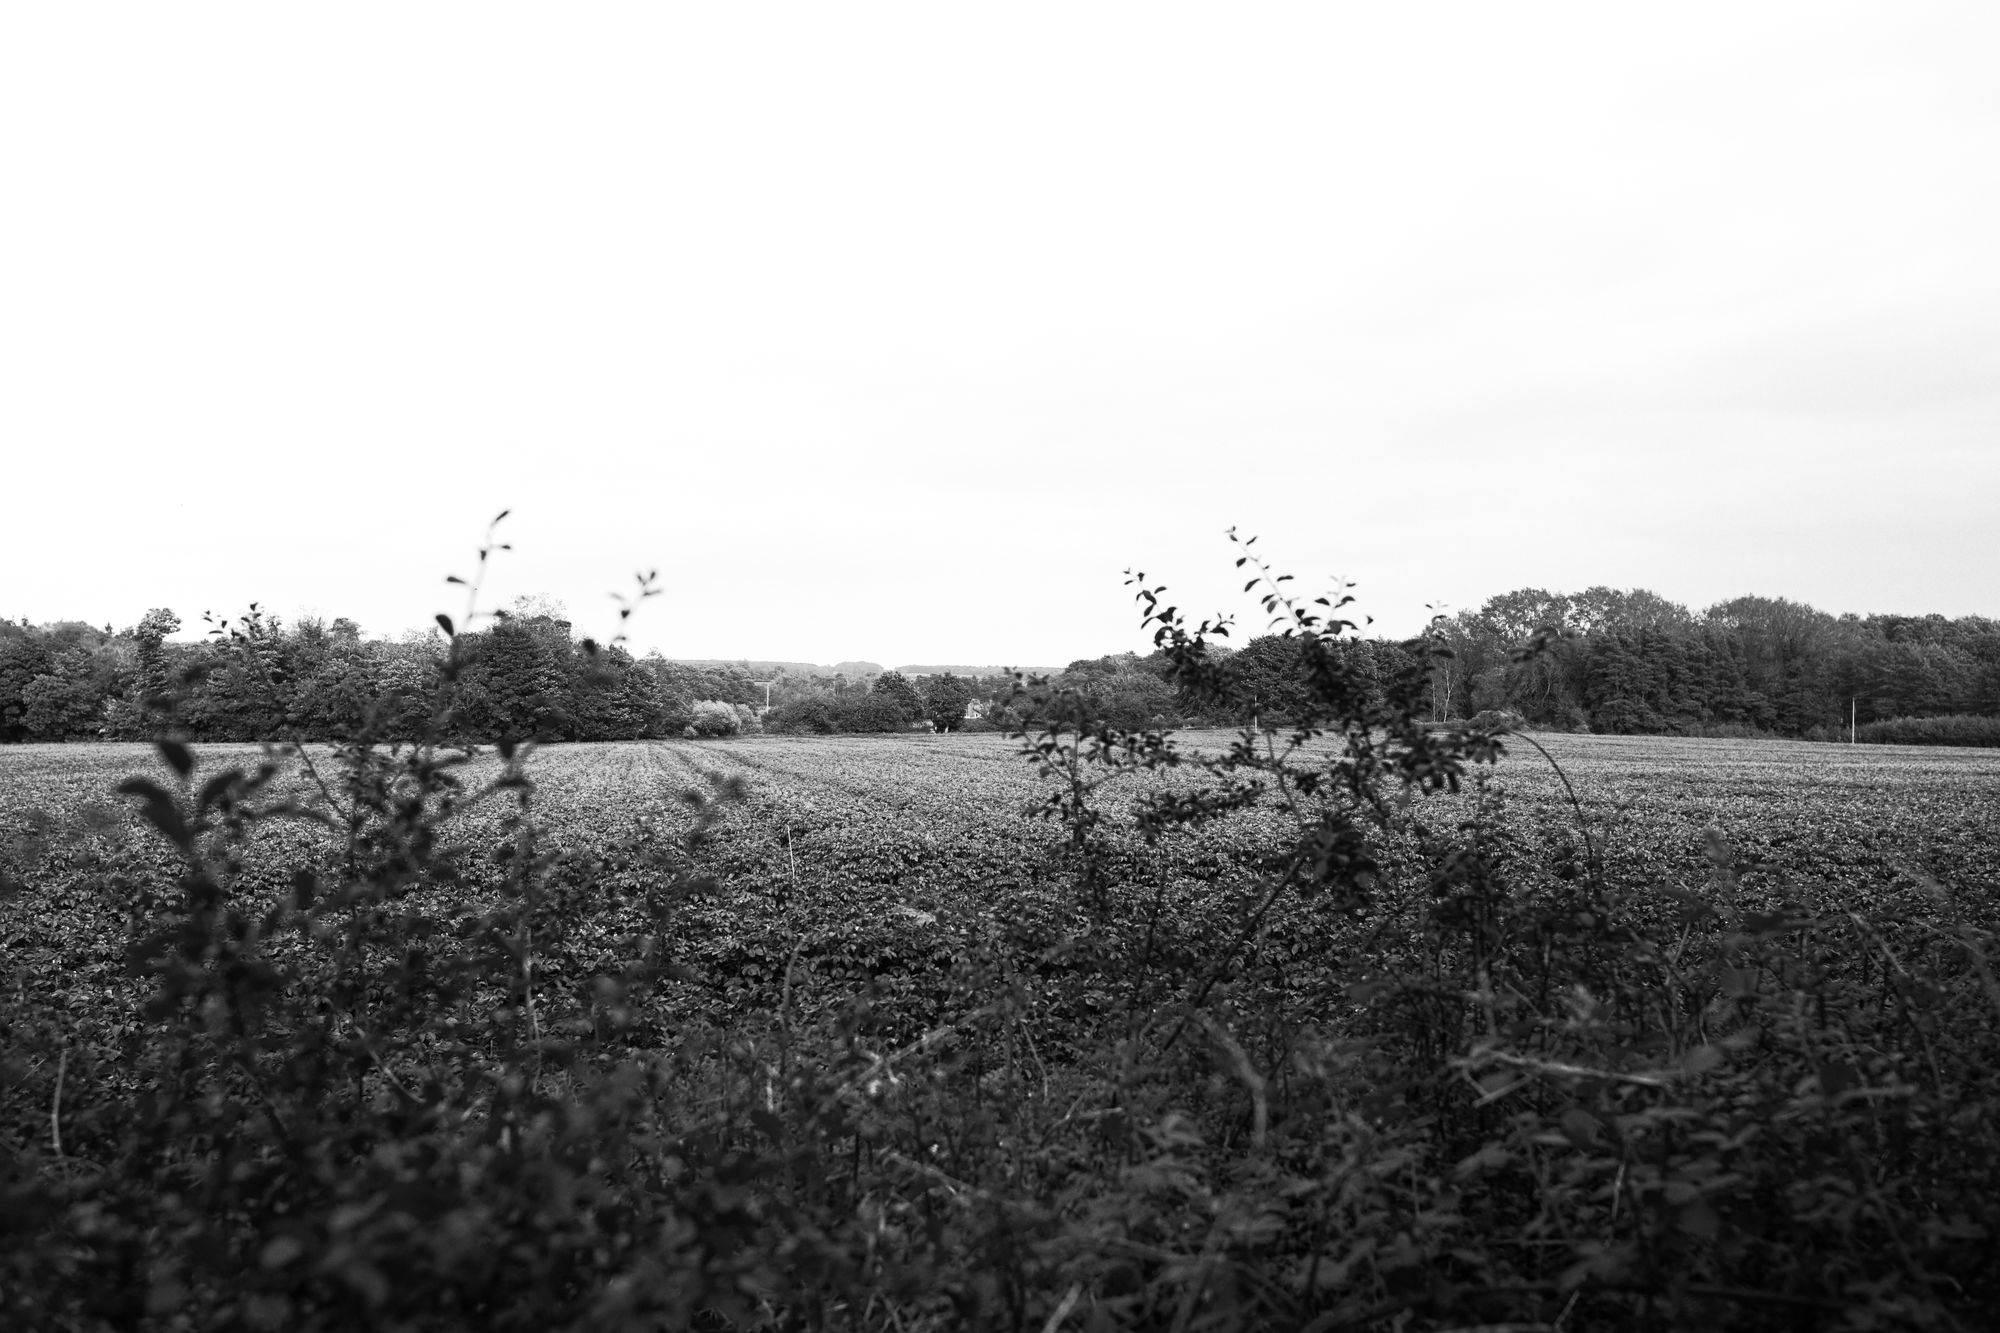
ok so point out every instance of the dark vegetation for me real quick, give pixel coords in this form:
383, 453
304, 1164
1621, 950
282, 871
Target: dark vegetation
1614, 662
891, 702
1952, 729
524, 676
1633, 662
1309, 1034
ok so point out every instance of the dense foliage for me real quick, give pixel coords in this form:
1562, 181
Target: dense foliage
825, 714
1633, 662
1336, 1024
524, 676
1953, 729
1611, 662
891, 702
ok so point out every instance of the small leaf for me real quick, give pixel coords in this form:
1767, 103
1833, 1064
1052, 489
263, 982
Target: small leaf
1581, 1126
444, 623
1702, 1059
177, 756
1837, 1077
1697, 1219
281, 1251
158, 809
216, 787
144, 789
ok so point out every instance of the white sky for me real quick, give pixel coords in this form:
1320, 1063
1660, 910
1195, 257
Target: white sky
899, 332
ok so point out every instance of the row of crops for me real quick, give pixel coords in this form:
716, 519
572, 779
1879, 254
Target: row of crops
829, 1033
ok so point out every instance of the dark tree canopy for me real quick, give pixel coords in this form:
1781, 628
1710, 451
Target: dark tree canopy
1603, 659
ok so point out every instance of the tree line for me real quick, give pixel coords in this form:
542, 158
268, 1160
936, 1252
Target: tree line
1632, 662
1605, 660
1626, 662
527, 675
260, 679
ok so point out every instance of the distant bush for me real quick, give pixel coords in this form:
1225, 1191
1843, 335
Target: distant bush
1735, 731
946, 698
827, 715
894, 685
1956, 729
811, 716
868, 713
1499, 719
712, 717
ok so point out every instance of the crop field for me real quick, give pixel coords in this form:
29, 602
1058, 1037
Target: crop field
924, 822
833, 1032
1921, 801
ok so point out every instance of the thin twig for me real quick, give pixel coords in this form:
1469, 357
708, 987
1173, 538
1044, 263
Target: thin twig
1582, 824
1252, 1080
55, 1104
961, 1192
1578, 1071
1069, 1300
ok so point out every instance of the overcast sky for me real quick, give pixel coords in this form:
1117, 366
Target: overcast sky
898, 332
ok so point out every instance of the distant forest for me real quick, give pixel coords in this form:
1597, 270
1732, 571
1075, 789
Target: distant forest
527, 675
1623, 662
1634, 662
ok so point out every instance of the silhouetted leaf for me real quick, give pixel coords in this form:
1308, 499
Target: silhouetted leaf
158, 810
216, 788
177, 756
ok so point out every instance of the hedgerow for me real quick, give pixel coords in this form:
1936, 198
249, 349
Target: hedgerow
1955, 729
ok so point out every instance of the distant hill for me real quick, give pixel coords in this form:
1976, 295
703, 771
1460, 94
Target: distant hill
852, 670
770, 668
961, 670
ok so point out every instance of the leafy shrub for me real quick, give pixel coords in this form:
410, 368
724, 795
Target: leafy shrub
1956, 729
1739, 731
711, 717
1499, 720
946, 698
867, 713
895, 686
827, 714
810, 716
